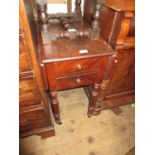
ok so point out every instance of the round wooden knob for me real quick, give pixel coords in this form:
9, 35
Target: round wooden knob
79, 67
78, 81
116, 61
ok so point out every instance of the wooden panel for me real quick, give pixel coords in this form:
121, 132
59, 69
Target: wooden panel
32, 121
24, 61
35, 117
29, 25
76, 81
29, 6
124, 73
116, 27
132, 27
125, 27
44, 77
28, 93
88, 9
107, 19
121, 5
110, 23
80, 65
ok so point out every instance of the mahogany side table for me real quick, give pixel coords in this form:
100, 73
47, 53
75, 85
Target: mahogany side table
75, 63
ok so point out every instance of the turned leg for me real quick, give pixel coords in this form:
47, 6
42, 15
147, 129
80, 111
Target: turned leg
102, 92
101, 95
93, 99
78, 9
55, 106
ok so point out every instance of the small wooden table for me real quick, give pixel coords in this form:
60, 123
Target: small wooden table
75, 63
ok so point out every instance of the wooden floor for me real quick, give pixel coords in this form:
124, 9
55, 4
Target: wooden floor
106, 134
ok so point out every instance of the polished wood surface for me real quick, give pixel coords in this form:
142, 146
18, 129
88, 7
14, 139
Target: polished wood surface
124, 73
35, 115
119, 27
28, 93
117, 22
121, 5
79, 66
117, 18
25, 64
72, 77
66, 67
107, 62
70, 49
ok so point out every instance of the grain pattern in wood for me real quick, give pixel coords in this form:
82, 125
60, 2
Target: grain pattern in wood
124, 73
35, 117
24, 60
121, 5
28, 93
117, 29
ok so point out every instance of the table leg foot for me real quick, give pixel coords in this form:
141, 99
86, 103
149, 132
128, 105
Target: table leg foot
93, 99
55, 107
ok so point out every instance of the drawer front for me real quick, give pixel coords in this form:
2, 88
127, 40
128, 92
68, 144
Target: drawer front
76, 81
31, 121
24, 61
80, 65
28, 93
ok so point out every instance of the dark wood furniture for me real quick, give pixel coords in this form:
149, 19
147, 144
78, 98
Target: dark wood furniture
66, 68
117, 23
95, 51
35, 115
112, 22
72, 54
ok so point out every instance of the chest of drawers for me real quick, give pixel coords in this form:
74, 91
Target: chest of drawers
75, 63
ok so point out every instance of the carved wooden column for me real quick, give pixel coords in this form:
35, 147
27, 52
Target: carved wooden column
95, 23
102, 94
42, 11
122, 39
69, 7
55, 106
93, 99
78, 11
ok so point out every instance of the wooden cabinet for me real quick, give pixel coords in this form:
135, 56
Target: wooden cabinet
117, 28
35, 115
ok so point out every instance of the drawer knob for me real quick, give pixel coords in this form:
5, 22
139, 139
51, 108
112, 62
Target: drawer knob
78, 81
79, 67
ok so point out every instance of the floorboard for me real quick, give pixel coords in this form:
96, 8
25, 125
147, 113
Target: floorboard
106, 134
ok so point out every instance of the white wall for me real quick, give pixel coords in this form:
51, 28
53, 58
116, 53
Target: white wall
61, 8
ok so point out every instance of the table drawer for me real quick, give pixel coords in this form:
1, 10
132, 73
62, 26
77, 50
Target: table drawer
69, 67
76, 80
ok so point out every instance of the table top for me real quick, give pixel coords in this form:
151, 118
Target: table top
65, 49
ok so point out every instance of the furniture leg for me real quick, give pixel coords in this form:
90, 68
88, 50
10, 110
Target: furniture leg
55, 107
101, 95
102, 92
93, 99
